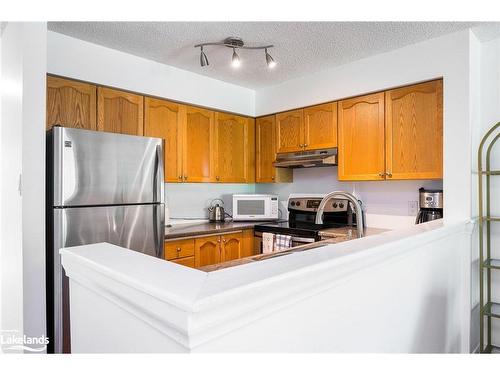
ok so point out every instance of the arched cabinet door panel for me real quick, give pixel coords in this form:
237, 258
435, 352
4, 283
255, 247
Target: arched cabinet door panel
120, 111
414, 131
71, 104
361, 138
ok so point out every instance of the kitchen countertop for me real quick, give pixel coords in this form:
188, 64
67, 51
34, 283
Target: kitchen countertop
207, 228
332, 236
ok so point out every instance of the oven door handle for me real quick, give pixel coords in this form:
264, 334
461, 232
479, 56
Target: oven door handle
303, 239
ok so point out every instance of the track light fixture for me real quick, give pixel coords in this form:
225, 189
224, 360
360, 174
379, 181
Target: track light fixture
235, 43
269, 60
235, 60
203, 58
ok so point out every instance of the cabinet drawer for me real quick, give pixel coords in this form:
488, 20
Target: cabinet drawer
188, 261
179, 249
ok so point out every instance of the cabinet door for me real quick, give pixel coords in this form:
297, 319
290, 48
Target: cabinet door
361, 138
320, 126
234, 148
119, 111
198, 145
207, 251
290, 131
248, 248
414, 131
265, 153
163, 119
71, 104
232, 245
265, 149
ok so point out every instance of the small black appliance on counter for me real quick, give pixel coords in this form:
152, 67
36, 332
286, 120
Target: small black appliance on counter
431, 205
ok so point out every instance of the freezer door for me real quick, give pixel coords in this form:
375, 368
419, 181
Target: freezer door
98, 168
136, 227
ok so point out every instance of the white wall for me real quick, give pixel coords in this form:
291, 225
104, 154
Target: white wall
23, 145
78, 59
446, 57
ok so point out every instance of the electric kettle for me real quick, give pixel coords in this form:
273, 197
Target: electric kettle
216, 212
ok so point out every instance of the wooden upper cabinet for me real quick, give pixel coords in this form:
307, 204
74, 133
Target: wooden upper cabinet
232, 246
290, 131
361, 138
207, 251
265, 153
265, 149
199, 145
71, 104
320, 126
234, 148
414, 131
119, 111
164, 119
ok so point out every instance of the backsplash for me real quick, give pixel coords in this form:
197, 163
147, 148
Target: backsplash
191, 200
379, 197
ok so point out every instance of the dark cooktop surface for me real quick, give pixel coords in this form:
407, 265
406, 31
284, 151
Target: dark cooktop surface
297, 229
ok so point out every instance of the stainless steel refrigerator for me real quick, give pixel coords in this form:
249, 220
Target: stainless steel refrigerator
101, 187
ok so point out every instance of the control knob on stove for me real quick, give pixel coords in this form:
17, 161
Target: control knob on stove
334, 204
298, 203
341, 205
292, 203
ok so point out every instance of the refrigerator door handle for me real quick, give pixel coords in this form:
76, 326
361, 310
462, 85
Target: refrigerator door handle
158, 176
158, 222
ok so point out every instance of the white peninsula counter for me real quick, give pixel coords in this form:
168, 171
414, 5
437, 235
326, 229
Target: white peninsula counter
401, 291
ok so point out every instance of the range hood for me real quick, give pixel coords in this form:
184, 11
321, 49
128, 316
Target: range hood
307, 159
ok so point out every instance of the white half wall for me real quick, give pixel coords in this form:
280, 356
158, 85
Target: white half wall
446, 57
75, 58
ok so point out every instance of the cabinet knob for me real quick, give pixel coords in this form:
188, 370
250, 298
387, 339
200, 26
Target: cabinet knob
178, 249
217, 178
185, 178
381, 174
180, 177
273, 178
224, 240
389, 174
305, 145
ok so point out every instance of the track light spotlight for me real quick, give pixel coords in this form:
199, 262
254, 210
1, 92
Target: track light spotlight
235, 61
203, 58
269, 60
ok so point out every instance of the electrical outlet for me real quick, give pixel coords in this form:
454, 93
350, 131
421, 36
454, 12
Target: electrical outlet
412, 208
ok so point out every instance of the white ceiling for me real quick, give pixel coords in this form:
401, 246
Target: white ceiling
300, 47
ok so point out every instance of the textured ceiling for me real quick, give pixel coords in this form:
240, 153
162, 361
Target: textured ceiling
300, 47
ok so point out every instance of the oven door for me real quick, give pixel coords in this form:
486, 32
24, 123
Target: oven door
296, 241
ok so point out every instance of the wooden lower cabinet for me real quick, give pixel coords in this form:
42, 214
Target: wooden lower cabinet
188, 261
207, 251
204, 251
231, 246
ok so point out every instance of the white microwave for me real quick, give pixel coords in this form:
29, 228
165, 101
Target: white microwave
249, 207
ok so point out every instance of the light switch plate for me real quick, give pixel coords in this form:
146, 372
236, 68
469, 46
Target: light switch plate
412, 208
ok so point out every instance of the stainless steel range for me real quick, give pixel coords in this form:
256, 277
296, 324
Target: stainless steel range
301, 224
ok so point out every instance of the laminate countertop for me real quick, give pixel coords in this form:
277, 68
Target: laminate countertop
331, 236
207, 228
